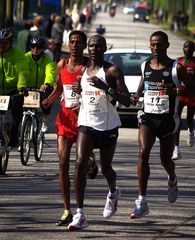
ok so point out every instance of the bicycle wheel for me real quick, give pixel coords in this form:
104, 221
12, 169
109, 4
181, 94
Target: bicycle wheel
25, 141
39, 139
4, 156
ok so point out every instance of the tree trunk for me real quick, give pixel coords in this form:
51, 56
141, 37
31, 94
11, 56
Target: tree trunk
9, 13
2, 13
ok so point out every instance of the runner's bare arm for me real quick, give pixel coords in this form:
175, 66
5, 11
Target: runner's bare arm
115, 80
58, 88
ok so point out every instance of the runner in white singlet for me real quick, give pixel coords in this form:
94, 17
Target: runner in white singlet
102, 85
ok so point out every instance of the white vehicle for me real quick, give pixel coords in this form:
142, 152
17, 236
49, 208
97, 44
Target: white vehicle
130, 8
129, 61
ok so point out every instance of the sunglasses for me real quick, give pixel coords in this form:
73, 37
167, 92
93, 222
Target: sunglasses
4, 42
36, 46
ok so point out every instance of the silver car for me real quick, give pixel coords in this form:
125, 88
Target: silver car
129, 61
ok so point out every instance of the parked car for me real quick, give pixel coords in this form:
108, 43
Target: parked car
129, 61
141, 15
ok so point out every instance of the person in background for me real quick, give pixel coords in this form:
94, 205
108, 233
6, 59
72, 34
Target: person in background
82, 20
188, 61
13, 74
49, 25
100, 29
23, 38
57, 36
50, 48
37, 27
69, 70
75, 17
102, 84
160, 81
68, 26
42, 72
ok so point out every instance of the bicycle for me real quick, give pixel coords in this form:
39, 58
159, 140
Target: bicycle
5, 124
31, 132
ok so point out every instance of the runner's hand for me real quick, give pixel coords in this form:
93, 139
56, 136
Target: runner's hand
76, 108
98, 83
46, 103
22, 91
76, 87
134, 99
43, 88
166, 88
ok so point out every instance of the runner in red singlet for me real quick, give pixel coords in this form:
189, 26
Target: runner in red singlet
188, 61
69, 71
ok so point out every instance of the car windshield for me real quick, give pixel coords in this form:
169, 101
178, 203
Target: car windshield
141, 11
129, 63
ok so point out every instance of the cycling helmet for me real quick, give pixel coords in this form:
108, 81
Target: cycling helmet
38, 41
6, 33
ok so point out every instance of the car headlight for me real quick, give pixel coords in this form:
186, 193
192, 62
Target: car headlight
136, 15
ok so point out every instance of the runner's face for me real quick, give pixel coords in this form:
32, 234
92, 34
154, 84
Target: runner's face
158, 46
188, 49
96, 48
76, 45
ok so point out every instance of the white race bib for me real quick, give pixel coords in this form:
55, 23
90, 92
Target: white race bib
71, 98
4, 103
32, 100
155, 102
94, 101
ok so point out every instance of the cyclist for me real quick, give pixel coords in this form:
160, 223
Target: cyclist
42, 72
13, 75
69, 71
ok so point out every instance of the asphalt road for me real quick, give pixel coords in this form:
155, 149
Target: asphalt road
30, 200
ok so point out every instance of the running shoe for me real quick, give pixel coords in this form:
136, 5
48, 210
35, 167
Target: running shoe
111, 204
92, 170
141, 209
190, 140
44, 127
176, 154
172, 191
79, 221
65, 219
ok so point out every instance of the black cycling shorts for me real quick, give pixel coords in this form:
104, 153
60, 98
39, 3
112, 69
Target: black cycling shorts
101, 139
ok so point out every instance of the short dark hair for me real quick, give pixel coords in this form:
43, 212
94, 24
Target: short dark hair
161, 34
189, 43
103, 40
80, 33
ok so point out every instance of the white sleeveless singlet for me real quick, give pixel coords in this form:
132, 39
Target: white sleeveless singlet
96, 110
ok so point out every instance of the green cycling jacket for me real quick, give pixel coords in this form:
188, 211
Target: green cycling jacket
13, 71
42, 71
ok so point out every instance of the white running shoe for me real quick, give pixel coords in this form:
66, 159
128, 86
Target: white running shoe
79, 221
111, 204
44, 127
176, 154
190, 140
172, 191
141, 209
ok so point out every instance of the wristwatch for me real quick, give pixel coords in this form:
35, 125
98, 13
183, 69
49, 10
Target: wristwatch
111, 91
178, 92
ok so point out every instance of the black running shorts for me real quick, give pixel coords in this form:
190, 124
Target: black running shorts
162, 126
101, 139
